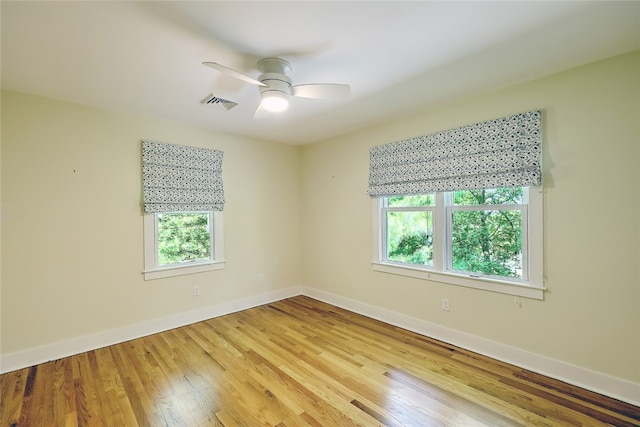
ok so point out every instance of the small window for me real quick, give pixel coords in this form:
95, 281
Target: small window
182, 243
409, 229
184, 238
488, 239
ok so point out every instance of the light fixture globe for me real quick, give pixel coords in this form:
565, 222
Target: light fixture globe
274, 101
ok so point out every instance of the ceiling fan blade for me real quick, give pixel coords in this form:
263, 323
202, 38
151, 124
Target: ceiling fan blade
233, 73
261, 113
321, 90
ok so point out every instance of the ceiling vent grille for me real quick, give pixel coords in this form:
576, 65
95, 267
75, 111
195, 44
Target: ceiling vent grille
215, 101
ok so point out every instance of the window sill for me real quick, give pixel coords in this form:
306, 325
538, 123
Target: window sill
509, 288
181, 270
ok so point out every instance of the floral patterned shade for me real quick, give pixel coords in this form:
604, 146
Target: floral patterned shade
179, 178
504, 152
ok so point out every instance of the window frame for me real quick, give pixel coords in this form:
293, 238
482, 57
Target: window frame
151, 268
529, 287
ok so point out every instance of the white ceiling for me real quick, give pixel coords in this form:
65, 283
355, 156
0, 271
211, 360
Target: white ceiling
145, 58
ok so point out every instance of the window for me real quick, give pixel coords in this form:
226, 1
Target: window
182, 243
183, 199
488, 239
409, 229
487, 233
183, 237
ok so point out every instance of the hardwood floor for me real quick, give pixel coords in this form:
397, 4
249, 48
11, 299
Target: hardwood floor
296, 362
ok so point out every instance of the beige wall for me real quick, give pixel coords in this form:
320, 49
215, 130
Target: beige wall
72, 241
72, 222
590, 316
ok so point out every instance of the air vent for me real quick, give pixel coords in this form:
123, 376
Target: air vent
218, 102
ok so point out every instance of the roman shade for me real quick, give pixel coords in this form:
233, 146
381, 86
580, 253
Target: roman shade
504, 152
179, 178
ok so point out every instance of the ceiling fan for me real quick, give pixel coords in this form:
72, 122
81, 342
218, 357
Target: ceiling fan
276, 88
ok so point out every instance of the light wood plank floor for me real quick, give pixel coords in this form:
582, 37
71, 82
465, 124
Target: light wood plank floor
296, 362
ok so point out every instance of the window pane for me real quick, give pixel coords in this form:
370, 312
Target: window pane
183, 237
411, 201
488, 242
497, 196
410, 237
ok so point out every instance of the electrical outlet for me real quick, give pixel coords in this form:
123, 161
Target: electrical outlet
445, 304
196, 291
260, 278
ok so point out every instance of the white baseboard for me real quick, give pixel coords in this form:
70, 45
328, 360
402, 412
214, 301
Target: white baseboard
22, 359
610, 386
600, 383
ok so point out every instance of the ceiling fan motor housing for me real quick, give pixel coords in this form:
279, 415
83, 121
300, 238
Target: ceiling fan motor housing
275, 95
275, 82
274, 75
274, 65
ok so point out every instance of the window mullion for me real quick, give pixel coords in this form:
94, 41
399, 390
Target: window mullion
439, 233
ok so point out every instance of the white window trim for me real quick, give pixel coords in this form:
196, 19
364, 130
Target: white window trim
152, 271
534, 288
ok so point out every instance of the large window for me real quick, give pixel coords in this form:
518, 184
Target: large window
488, 239
182, 243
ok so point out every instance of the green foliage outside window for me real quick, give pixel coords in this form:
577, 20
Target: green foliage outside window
410, 237
410, 233
417, 200
183, 237
497, 196
488, 241
484, 241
